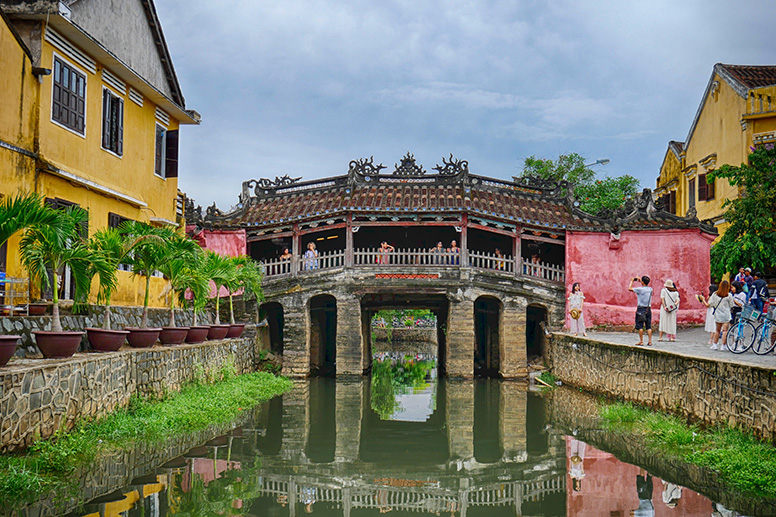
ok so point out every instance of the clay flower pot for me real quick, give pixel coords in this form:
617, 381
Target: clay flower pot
58, 344
37, 309
173, 335
106, 340
7, 348
197, 334
217, 332
142, 338
235, 330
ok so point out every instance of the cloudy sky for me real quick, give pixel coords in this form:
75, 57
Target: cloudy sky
303, 87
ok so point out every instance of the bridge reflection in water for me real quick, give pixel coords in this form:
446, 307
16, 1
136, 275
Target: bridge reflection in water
328, 447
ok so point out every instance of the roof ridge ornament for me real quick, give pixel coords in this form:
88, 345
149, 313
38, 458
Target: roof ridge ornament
452, 167
365, 167
408, 167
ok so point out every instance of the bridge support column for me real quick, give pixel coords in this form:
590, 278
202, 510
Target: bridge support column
349, 336
295, 423
348, 410
514, 358
459, 413
460, 340
513, 421
296, 327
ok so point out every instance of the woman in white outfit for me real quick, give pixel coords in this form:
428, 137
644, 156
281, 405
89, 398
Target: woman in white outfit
576, 299
669, 307
721, 303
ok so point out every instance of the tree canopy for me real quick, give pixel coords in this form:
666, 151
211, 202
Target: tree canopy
593, 194
750, 240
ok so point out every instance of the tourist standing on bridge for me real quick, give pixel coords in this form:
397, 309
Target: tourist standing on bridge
385, 249
721, 303
669, 307
439, 252
643, 308
455, 253
311, 257
576, 299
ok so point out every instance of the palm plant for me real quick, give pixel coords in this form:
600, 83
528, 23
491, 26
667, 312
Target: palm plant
148, 256
180, 255
57, 245
22, 211
221, 270
248, 276
196, 283
116, 248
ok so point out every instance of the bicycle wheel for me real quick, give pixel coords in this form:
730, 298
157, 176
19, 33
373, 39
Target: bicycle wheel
740, 337
764, 339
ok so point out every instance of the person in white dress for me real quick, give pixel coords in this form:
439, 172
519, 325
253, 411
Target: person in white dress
710, 326
669, 307
576, 299
721, 303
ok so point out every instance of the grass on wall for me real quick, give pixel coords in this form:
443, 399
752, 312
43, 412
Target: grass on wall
743, 461
216, 397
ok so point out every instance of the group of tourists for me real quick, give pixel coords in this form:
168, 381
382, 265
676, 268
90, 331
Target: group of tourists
724, 303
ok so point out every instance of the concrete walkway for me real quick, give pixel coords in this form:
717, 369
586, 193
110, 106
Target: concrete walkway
691, 342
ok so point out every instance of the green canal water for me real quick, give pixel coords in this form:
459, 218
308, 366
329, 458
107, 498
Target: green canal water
402, 443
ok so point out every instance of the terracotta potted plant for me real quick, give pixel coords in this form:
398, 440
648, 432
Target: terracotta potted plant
219, 269
146, 258
52, 248
37, 308
115, 248
247, 277
180, 258
8, 348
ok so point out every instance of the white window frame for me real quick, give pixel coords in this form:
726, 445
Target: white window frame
81, 71
102, 132
163, 157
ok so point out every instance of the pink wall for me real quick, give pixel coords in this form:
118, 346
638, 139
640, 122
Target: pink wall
231, 243
604, 272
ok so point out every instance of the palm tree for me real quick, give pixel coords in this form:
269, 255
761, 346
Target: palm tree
22, 211
116, 248
147, 256
58, 245
219, 269
180, 255
196, 282
248, 275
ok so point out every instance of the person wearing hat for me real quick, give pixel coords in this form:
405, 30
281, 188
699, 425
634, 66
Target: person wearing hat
576, 299
748, 281
669, 307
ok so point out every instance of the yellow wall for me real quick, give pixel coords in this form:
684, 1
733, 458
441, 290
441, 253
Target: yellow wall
26, 110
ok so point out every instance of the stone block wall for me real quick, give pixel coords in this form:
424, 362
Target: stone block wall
711, 391
40, 396
120, 317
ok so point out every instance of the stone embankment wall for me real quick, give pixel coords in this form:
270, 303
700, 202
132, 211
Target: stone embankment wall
711, 391
409, 340
120, 317
40, 396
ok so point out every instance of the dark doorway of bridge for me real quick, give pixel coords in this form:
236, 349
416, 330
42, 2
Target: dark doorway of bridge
487, 422
534, 335
322, 433
272, 312
323, 335
406, 237
271, 421
325, 241
269, 249
487, 315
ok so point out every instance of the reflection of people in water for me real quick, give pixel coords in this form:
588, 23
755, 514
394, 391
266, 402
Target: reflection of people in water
382, 501
282, 500
576, 463
308, 498
644, 491
671, 494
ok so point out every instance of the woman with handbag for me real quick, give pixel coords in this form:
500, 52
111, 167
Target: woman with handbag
576, 299
669, 306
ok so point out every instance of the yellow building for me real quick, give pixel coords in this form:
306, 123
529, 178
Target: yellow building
90, 115
737, 111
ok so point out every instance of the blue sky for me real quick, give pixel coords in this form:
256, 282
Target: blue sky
303, 87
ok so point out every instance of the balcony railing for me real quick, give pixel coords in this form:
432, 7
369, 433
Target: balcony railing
415, 257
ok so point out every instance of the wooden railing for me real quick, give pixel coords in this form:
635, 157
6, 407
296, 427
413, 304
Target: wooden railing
416, 257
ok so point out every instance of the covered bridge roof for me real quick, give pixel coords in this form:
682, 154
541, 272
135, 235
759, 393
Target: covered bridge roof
530, 201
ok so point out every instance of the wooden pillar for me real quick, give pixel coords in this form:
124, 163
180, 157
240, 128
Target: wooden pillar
296, 249
516, 252
349, 336
349, 242
464, 240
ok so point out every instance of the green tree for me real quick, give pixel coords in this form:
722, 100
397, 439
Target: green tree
751, 237
593, 195
221, 270
22, 211
178, 264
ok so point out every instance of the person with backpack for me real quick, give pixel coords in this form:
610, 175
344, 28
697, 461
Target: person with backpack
643, 308
759, 292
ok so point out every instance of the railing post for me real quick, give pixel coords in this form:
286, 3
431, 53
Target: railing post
464, 240
516, 253
295, 250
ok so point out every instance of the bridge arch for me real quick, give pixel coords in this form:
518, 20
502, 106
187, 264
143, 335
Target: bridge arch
487, 329
274, 314
323, 334
535, 315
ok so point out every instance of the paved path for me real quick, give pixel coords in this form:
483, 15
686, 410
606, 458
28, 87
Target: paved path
691, 342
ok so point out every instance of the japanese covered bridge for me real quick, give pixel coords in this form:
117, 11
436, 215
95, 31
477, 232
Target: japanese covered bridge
507, 253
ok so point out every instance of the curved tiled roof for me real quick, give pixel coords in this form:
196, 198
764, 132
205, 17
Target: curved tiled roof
752, 76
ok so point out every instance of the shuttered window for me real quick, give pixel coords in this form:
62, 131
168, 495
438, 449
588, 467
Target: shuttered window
112, 122
160, 150
691, 193
68, 105
166, 153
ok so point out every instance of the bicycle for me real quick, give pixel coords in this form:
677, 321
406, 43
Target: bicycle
741, 334
765, 335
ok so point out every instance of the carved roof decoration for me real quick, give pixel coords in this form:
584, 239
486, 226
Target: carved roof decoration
528, 201
408, 167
